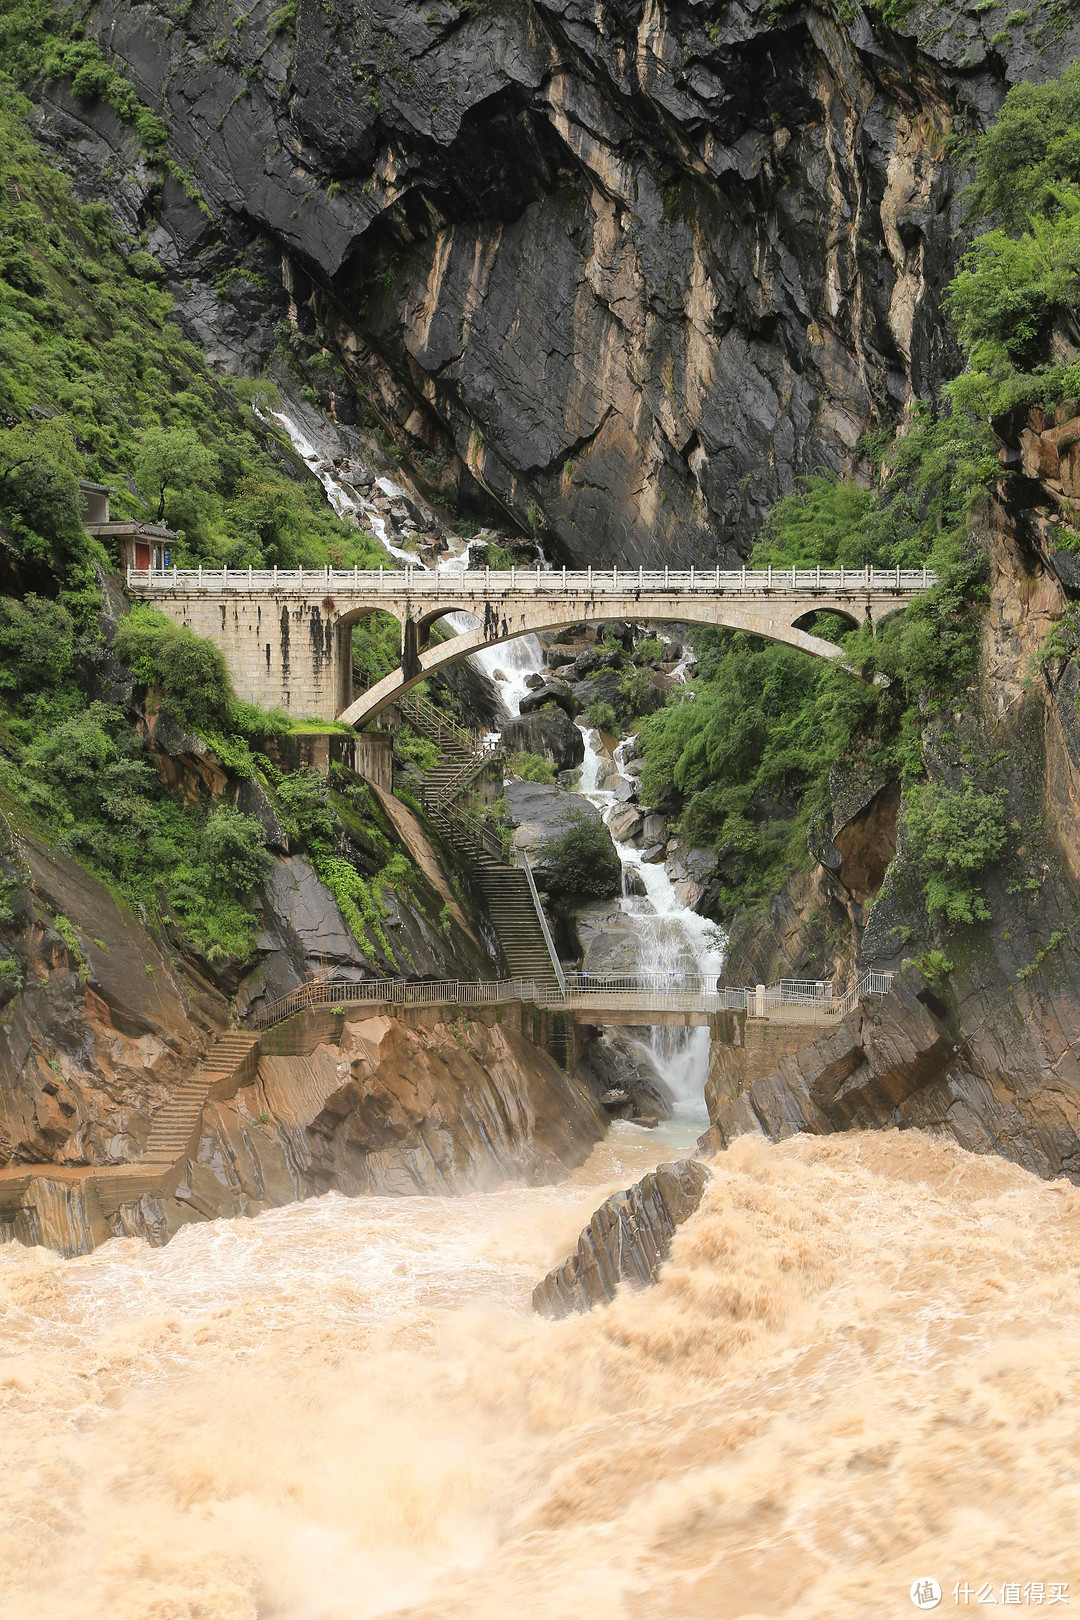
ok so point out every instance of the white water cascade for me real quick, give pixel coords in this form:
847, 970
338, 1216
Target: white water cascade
674, 940
508, 665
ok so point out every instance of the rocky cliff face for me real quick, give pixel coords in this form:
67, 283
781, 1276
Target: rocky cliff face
629, 271
988, 1052
421, 1102
101, 1021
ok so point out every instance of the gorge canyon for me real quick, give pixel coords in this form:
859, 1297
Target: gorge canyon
350, 1266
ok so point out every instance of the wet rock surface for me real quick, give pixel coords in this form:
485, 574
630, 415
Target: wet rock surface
627, 1240
413, 1103
629, 1083
539, 813
550, 734
577, 262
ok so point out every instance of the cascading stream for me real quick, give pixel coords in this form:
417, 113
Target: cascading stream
674, 940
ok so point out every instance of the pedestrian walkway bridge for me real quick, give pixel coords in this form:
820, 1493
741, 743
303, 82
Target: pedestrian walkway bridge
286, 634
596, 998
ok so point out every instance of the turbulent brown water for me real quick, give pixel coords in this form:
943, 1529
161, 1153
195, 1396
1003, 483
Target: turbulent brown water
862, 1366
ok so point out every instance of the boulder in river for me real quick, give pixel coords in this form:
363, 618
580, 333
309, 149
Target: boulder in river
627, 1240
625, 823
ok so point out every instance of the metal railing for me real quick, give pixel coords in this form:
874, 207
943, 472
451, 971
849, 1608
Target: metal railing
487, 582
436, 727
647, 992
542, 918
449, 788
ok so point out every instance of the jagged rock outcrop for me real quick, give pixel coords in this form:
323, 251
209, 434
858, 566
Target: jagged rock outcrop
997, 1075
631, 272
426, 1100
627, 1240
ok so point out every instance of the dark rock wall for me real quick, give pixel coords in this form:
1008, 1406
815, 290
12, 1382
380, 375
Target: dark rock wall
633, 270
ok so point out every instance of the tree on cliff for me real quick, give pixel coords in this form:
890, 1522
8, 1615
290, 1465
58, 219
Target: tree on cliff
173, 461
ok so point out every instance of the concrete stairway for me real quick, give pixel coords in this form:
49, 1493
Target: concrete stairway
506, 890
176, 1121
105, 1188
513, 916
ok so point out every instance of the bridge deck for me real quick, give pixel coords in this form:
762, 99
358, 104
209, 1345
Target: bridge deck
481, 583
590, 1000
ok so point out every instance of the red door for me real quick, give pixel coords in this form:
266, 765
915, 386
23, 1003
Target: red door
142, 554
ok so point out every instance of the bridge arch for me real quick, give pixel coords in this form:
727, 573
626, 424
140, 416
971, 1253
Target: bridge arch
286, 635
522, 620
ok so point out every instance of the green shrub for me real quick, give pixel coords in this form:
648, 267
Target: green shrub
37, 641
601, 717
1032, 145
189, 671
532, 768
304, 805
1009, 291
953, 834
234, 851
581, 860
416, 750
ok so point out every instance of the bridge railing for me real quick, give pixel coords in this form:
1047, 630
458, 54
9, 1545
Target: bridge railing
649, 992
485, 582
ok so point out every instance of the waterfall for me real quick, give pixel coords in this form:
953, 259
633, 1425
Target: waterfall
674, 940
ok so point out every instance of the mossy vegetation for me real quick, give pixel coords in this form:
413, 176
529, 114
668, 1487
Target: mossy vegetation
97, 381
750, 750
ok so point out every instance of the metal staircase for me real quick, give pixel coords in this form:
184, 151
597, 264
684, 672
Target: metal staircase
513, 905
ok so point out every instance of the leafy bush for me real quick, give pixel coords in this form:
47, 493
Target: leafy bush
1030, 148
234, 850
954, 834
189, 670
416, 750
305, 806
1011, 291
532, 768
37, 640
582, 860
601, 716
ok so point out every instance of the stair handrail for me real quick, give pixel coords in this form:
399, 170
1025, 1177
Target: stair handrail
548, 941
456, 821
453, 787
874, 982
424, 714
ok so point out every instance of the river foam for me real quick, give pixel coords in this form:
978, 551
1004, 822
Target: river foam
861, 1366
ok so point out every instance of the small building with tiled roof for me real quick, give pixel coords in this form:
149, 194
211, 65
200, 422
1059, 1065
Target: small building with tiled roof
140, 545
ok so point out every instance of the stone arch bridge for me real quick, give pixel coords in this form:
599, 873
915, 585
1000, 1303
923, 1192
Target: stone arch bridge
286, 635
